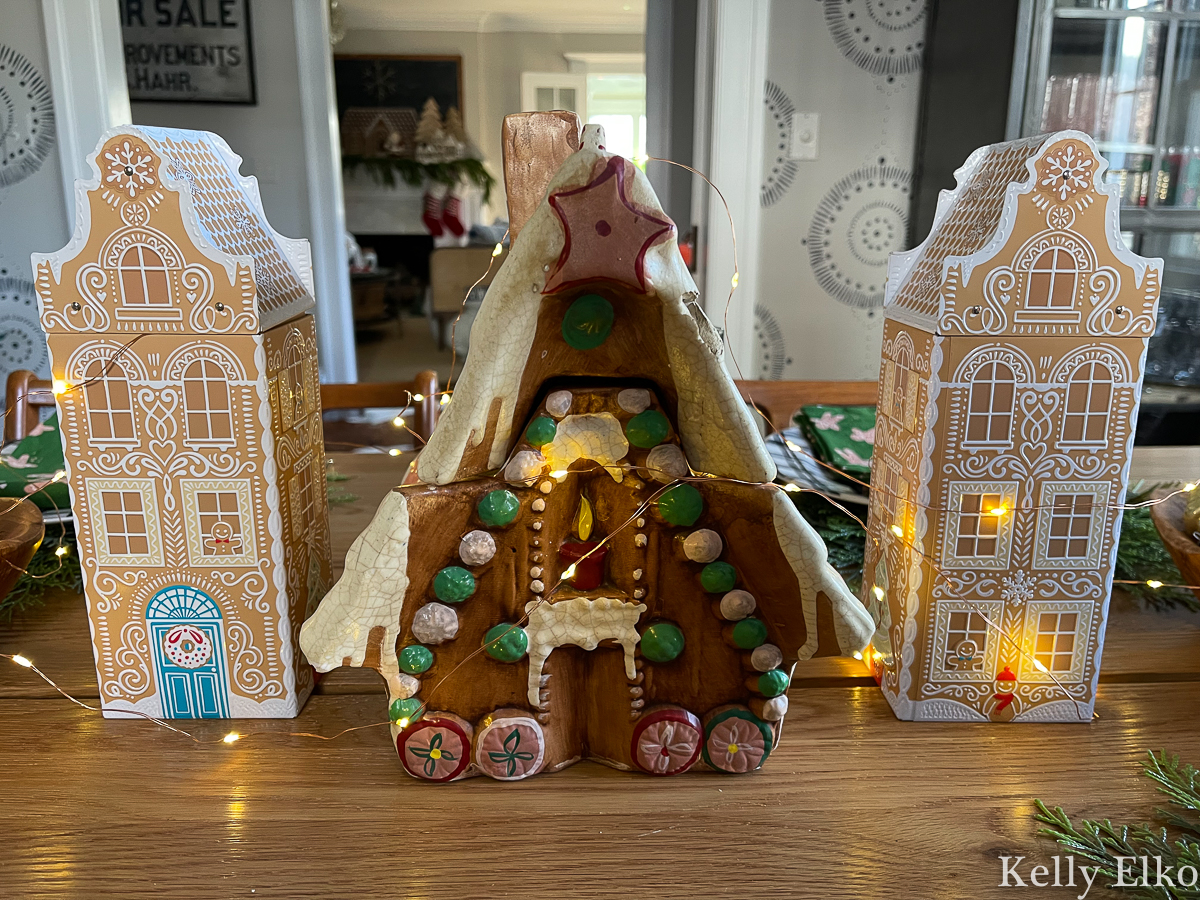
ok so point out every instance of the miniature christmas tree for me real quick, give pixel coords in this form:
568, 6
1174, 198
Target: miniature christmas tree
454, 125
429, 126
565, 583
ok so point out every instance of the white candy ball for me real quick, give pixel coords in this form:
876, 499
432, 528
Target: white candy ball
775, 709
524, 468
406, 686
434, 623
766, 657
476, 548
666, 463
737, 605
558, 404
702, 546
633, 400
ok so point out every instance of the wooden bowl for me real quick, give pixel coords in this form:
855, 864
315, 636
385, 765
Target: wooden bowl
1168, 519
21, 531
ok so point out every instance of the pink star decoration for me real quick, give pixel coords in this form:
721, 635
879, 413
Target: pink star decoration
606, 235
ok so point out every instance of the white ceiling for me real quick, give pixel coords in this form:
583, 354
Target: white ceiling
549, 16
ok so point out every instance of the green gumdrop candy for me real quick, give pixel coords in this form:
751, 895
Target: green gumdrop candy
749, 633
681, 505
718, 577
404, 709
541, 431
773, 683
415, 659
506, 642
647, 429
453, 584
662, 642
498, 508
587, 322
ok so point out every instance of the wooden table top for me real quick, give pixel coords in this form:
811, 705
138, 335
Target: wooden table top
853, 803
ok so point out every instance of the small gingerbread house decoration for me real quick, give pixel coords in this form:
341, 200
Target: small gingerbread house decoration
594, 563
186, 374
1013, 352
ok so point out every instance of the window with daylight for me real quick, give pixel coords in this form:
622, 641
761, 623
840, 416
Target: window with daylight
990, 405
978, 527
220, 521
1070, 526
206, 401
1089, 400
1055, 642
109, 402
124, 523
1052, 281
143, 278
967, 626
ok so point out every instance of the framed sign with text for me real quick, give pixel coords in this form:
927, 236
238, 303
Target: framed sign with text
188, 51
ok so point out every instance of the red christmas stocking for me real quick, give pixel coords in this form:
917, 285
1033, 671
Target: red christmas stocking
452, 215
432, 216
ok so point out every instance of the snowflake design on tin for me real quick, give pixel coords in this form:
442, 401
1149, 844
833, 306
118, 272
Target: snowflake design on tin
1065, 171
244, 223
1017, 588
129, 168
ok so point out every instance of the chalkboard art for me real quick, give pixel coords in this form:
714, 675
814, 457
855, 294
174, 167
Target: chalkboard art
188, 51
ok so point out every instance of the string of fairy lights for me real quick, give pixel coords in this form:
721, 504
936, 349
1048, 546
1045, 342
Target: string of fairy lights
61, 388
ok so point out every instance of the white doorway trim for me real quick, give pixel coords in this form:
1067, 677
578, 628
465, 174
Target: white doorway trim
736, 43
87, 81
326, 210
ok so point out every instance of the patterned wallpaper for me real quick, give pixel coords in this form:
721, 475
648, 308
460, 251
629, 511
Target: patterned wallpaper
828, 224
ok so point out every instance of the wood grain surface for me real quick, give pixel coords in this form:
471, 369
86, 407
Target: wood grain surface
114, 808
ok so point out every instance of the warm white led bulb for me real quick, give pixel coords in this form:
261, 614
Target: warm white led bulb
395, 451
398, 421
23, 661
231, 737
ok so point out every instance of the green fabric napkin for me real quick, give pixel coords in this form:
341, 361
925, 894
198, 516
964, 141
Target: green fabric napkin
842, 436
31, 463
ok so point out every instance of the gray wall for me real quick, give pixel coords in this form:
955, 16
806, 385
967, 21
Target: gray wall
269, 137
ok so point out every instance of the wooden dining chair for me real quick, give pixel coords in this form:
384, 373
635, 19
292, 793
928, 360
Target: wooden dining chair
420, 395
25, 396
779, 400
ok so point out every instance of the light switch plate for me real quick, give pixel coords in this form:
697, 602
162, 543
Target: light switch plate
805, 130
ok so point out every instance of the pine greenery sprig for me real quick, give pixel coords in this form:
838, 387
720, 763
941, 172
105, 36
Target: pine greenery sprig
1101, 842
47, 571
1142, 557
386, 169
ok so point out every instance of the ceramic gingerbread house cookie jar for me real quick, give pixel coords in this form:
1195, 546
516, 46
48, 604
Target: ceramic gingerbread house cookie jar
1013, 353
186, 374
594, 563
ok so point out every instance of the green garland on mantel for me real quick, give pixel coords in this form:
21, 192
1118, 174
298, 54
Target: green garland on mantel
1141, 556
386, 169
1100, 843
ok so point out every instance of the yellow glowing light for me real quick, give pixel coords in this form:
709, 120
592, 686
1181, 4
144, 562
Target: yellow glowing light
999, 511
559, 473
445, 399
61, 550
395, 451
231, 737
498, 249
59, 386
59, 475
23, 661
792, 445
403, 723
1154, 584
418, 397
857, 655
878, 592
792, 488
398, 421
1040, 666
1189, 487
734, 280
569, 573
897, 531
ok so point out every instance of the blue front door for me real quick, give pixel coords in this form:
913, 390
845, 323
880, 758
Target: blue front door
189, 653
